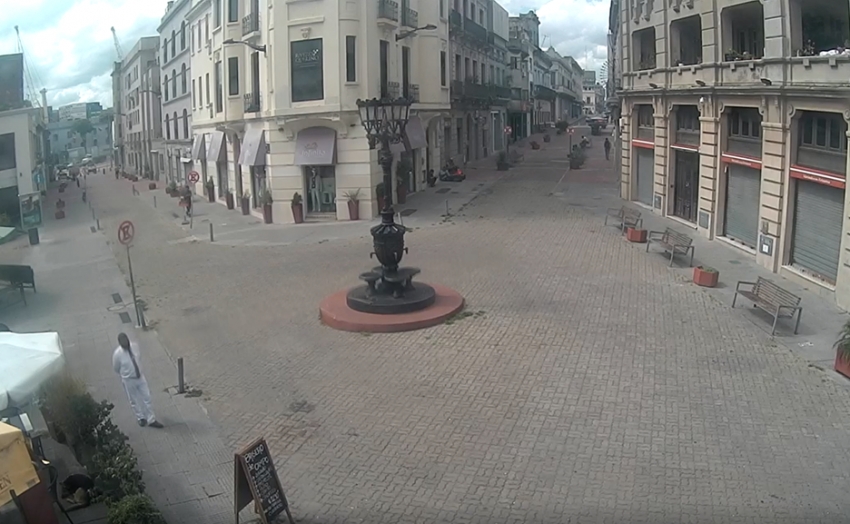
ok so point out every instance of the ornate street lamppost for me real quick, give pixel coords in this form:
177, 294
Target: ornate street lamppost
389, 289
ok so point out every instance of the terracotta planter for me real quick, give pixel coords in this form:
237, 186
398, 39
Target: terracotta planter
842, 365
636, 235
298, 213
228, 199
152, 185
401, 194
354, 210
245, 204
535, 145
60, 214
267, 213
547, 138
705, 278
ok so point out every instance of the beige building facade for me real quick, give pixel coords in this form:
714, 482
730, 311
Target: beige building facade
275, 110
734, 122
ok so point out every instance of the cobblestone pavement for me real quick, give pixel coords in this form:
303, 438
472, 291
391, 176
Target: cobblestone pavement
590, 384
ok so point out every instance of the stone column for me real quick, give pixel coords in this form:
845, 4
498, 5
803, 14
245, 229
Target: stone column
709, 155
626, 129
663, 180
777, 147
842, 285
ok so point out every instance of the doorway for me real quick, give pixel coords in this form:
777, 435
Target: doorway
686, 186
320, 182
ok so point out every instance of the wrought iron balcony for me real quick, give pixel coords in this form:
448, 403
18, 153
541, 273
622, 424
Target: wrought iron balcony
455, 21
476, 31
503, 92
388, 10
252, 102
456, 89
409, 18
250, 23
543, 92
411, 92
472, 89
391, 90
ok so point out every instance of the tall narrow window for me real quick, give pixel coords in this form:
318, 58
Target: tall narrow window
350, 59
232, 10
183, 79
442, 66
216, 5
164, 50
193, 93
173, 43
183, 35
385, 58
175, 124
219, 91
165, 88
167, 127
442, 8
200, 93
405, 72
207, 87
233, 76
185, 123
174, 83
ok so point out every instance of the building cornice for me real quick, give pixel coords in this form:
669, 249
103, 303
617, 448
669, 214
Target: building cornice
171, 13
196, 10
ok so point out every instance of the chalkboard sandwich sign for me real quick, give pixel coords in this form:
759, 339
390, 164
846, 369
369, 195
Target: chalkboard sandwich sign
256, 480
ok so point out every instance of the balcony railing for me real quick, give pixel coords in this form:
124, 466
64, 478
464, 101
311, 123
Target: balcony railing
409, 18
250, 23
503, 92
391, 90
474, 30
455, 20
388, 10
411, 92
457, 89
252, 102
473, 89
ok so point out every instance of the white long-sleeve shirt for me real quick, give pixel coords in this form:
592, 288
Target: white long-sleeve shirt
123, 364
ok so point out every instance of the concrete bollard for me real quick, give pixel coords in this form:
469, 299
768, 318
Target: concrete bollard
212, 238
154, 201
181, 386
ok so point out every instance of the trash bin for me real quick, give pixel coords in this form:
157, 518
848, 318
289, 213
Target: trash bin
33, 234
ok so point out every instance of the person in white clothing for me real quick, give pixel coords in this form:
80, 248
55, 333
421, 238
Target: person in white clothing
125, 362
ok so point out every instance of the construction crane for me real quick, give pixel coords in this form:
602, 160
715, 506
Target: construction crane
32, 79
118, 50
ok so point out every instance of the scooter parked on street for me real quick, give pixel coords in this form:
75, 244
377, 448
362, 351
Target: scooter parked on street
451, 173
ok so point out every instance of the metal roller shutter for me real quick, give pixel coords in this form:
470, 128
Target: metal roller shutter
743, 188
645, 173
818, 219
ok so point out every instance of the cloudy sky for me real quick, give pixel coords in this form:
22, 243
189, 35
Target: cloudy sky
68, 45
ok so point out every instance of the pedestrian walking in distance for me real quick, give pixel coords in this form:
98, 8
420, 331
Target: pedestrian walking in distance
607, 148
125, 362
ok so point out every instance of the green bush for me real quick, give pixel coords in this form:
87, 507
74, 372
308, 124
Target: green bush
135, 509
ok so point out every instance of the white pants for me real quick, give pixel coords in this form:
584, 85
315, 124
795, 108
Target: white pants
140, 398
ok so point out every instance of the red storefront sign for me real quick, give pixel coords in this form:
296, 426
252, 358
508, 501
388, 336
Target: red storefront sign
741, 160
826, 178
643, 143
686, 147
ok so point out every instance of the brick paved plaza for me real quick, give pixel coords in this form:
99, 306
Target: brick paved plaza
592, 384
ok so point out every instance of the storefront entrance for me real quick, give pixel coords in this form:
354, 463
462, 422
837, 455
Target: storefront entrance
644, 174
741, 219
321, 189
818, 219
686, 187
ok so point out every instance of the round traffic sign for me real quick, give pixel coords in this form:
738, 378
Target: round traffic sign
126, 232
194, 176
508, 130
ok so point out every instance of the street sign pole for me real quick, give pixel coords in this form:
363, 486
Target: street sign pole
126, 232
139, 321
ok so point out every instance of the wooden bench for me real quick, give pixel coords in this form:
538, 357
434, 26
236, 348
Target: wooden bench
18, 276
766, 295
625, 217
673, 242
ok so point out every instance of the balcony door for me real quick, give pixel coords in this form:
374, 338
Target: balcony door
385, 60
405, 72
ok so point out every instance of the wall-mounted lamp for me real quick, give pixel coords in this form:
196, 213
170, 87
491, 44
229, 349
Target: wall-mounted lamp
700, 83
766, 81
405, 34
653, 86
260, 48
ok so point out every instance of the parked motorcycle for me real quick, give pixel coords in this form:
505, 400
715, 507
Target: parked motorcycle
452, 173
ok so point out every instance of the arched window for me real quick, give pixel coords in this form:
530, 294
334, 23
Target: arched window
173, 43
167, 128
183, 35
174, 83
185, 123
164, 50
183, 79
174, 122
165, 88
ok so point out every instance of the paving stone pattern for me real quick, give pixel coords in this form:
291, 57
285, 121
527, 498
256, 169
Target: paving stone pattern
594, 384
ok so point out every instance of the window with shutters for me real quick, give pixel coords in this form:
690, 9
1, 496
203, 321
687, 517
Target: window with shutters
822, 141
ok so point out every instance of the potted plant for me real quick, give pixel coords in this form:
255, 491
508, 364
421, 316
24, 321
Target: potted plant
353, 198
60, 214
842, 351
577, 158
62, 187
266, 203
379, 193
502, 163
297, 208
535, 144
245, 203
705, 276
547, 138
151, 185
637, 236
171, 189
228, 199
60, 204
210, 185
561, 126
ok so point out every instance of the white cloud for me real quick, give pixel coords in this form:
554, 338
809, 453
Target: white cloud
68, 45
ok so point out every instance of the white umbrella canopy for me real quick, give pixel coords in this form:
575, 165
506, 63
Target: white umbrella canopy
27, 360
